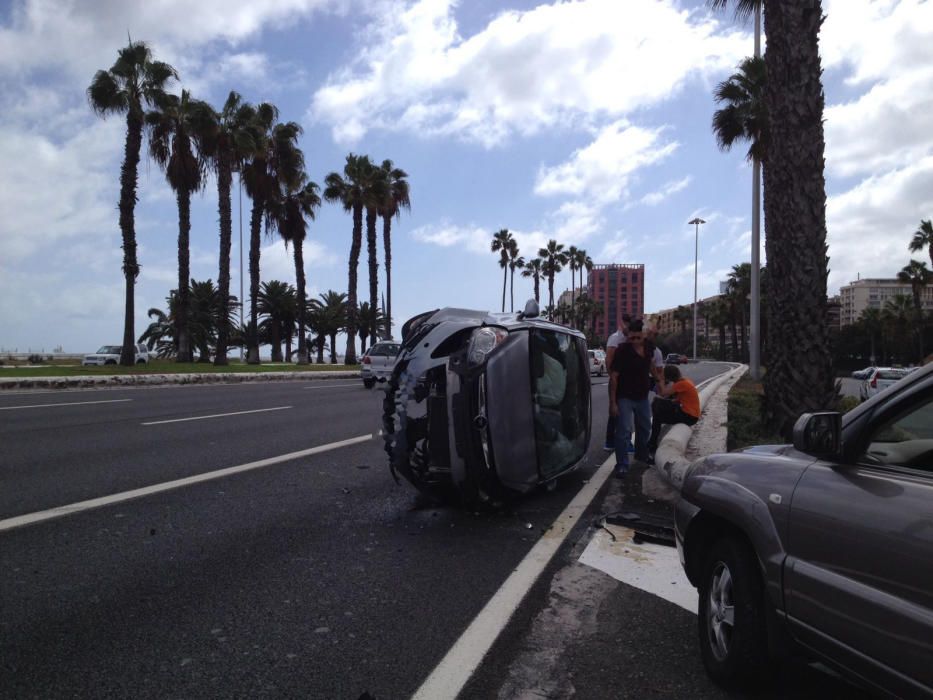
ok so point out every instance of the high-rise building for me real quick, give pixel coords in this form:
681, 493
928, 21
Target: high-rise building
621, 290
864, 294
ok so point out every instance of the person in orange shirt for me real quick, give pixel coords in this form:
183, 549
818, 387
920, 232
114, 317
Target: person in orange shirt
683, 406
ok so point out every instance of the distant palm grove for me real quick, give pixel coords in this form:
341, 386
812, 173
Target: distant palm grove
188, 138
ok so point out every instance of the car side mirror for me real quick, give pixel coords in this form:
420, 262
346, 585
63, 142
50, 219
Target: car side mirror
531, 309
819, 434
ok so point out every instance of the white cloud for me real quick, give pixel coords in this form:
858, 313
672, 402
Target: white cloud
870, 226
652, 199
447, 234
555, 65
602, 170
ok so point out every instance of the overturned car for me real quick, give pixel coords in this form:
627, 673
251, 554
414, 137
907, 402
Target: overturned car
483, 405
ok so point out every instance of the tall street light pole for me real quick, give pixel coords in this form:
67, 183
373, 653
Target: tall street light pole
240, 180
754, 326
696, 255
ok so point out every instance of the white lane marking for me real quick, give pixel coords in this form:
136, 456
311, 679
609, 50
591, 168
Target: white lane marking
455, 669
70, 403
215, 415
40, 516
654, 568
332, 386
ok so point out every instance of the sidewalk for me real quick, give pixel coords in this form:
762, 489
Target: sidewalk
123, 380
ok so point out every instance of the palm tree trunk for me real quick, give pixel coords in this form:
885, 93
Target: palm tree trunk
333, 350
128, 178
537, 289
224, 178
373, 270
550, 296
387, 246
184, 274
276, 340
255, 243
319, 341
800, 375
300, 282
355, 245
512, 290
735, 335
744, 339
505, 276
572, 295
722, 342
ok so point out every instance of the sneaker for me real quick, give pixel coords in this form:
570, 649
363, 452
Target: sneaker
620, 473
609, 448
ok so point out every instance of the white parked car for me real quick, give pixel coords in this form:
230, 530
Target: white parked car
377, 363
110, 355
597, 362
881, 378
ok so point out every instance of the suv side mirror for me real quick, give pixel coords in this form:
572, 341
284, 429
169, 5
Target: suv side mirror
818, 434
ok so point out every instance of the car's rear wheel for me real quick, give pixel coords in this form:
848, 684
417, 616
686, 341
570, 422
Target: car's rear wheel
110, 362
369, 383
732, 619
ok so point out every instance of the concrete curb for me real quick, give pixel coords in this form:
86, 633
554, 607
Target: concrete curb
669, 457
162, 379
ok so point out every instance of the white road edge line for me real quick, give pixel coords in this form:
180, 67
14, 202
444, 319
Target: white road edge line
331, 386
42, 515
216, 415
70, 403
455, 669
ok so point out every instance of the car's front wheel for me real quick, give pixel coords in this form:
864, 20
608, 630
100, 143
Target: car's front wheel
732, 619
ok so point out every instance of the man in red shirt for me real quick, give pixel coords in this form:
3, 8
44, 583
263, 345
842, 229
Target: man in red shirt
682, 407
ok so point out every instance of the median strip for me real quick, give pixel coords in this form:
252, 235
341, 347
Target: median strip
215, 415
40, 516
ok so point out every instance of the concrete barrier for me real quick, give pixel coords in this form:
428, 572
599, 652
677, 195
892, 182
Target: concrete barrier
669, 457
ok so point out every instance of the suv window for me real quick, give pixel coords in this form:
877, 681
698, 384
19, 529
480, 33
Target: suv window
906, 440
891, 374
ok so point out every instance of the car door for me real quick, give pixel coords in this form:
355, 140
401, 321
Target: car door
860, 566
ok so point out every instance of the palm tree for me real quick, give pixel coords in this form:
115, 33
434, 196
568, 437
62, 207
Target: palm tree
719, 316
160, 333
572, 264
516, 261
534, 268
501, 241
738, 288
744, 117
923, 238
398, 197
377, 190
554, 260
918, 276
897, 316
331, 318
352, 192
871, 321
275, 303
582, 262
228, 139
174, 135
683, 316
133, 81
277, 164
299, 202
369, 317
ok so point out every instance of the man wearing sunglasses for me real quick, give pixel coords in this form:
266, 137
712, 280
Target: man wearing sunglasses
629, 383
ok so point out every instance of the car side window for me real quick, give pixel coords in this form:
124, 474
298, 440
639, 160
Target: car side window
905, 440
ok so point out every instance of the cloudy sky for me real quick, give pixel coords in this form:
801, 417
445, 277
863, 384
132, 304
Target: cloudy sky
585, 121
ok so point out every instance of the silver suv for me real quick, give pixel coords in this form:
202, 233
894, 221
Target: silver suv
110, 355
823, 546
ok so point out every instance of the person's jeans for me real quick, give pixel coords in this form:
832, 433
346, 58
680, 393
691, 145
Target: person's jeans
666, 412
637, 413
610, 424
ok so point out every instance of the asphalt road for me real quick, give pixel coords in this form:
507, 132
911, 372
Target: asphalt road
313, 577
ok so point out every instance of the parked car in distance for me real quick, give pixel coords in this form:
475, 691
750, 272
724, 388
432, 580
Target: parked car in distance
482, 406
110, 355
377, 363
822, 547
674, 358
597, 362
881, 378
862, 373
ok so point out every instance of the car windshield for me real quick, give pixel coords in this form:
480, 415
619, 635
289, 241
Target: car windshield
109, 350
560, 405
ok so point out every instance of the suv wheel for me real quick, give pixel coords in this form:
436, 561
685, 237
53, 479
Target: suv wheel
731, 620
369, 383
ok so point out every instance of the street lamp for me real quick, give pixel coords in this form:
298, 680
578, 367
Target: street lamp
696, 254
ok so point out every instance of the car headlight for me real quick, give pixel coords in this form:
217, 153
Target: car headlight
482, 342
